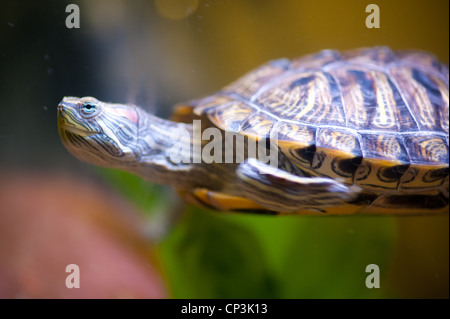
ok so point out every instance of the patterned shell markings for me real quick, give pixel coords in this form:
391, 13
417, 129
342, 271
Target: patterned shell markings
370, 116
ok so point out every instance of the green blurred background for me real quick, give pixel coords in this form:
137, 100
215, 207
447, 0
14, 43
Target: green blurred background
158, 53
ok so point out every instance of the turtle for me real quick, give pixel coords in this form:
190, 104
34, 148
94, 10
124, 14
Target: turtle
362, 131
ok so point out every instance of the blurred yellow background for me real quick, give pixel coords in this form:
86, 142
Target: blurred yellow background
199, 46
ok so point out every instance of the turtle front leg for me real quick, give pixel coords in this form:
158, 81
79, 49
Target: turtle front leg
278, 190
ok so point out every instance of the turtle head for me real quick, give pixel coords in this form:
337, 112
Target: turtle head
103, 134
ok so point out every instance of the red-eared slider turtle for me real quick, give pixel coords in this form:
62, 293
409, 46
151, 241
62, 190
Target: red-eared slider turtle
362, 131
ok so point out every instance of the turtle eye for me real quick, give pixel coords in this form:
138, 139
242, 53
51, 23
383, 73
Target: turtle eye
89, 109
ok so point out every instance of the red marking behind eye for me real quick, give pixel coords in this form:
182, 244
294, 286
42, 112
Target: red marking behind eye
127, 112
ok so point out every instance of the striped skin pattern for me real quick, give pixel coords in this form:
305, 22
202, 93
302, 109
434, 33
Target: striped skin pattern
92, 138
371, 117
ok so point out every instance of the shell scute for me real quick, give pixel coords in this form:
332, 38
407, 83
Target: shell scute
372, 101
426, 95
230, 116
427, 148
338, 154
385, 161
308, 97
259, 125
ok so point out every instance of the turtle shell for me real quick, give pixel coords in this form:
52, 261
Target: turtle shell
372, 116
